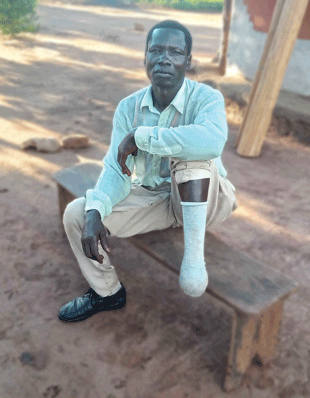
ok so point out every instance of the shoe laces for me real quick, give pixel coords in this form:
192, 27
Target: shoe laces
90, 292
87, 295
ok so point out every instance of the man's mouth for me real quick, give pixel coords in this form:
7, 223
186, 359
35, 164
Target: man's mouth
162, 73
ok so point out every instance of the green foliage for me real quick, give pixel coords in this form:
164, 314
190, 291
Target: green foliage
210, 5
18, 16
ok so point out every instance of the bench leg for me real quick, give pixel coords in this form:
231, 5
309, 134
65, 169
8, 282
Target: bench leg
252, 337
267, 334
240, 352
64, 198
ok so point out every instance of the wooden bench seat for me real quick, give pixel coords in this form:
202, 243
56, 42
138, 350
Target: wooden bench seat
255, 292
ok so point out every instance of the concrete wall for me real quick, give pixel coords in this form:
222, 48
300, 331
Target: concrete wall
246, 46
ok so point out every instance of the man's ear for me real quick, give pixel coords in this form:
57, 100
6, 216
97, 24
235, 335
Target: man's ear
189, 60
145, 57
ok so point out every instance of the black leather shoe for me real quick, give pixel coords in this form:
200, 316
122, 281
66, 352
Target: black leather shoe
90, 304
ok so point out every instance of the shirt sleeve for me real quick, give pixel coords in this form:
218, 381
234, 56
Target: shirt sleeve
204, 139
112, 185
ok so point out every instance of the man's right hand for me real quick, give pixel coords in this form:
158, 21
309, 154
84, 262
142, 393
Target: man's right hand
93, 231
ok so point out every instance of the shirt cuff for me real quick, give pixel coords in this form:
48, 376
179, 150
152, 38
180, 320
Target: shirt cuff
97, 200
142, 137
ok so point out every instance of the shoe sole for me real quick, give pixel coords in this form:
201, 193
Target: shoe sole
83, 317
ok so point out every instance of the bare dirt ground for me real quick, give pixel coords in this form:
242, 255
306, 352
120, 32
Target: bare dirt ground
69, 77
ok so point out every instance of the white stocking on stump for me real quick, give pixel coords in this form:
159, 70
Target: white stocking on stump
193, 275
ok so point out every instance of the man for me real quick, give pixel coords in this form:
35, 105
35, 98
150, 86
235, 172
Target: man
173, 133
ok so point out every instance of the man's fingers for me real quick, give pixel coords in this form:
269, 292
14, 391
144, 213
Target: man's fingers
90, 248
104, 242
86, 248
120, 160
123, 163
94, 251
125, 169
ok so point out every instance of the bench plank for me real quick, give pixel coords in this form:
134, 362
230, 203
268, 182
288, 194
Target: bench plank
237, 279
78, 178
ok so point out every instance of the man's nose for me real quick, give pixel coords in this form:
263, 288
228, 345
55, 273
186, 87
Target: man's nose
164, 59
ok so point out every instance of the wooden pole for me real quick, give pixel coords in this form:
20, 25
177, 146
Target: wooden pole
227, 10
270, 36
270, 75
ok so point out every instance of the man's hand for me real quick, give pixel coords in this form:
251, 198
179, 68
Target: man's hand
93, 231
127, 147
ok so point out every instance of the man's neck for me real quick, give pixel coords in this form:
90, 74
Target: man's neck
163, 97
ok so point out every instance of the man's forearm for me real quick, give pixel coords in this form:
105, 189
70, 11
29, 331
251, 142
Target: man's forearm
200, 142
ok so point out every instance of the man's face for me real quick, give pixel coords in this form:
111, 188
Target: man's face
166, 58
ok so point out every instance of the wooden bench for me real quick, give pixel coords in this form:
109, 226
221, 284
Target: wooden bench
253, 291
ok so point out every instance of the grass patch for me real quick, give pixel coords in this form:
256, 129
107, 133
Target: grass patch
18, 16
207, 5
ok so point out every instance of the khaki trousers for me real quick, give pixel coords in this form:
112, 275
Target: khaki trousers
146, 210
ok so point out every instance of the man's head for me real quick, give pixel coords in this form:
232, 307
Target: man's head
168, 54
172, 25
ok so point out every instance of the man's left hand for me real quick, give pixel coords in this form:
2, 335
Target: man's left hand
127, 147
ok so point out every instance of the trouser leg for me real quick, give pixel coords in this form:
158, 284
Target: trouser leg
142, 211
101, 277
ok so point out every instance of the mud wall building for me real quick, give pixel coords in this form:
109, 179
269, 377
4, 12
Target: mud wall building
249, 26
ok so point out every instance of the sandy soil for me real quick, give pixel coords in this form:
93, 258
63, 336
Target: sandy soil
69, 77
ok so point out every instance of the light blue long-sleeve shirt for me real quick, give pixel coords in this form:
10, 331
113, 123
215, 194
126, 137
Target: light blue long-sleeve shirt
192, 127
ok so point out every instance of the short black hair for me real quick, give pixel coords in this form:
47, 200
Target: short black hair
169, 24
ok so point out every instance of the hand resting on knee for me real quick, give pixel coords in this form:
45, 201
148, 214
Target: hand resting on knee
94, 231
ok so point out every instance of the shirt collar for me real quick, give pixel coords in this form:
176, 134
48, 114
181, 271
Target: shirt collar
178, 101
